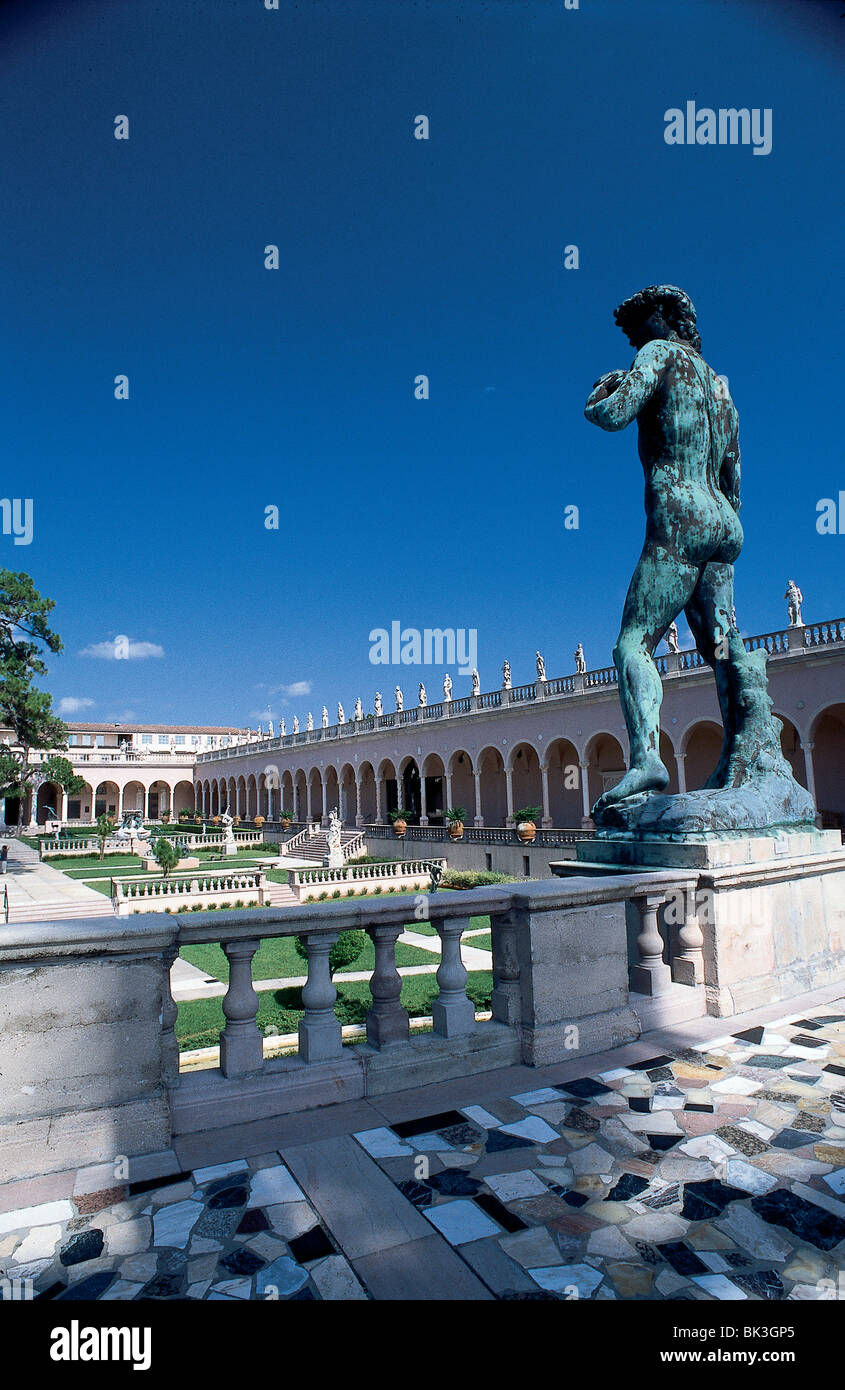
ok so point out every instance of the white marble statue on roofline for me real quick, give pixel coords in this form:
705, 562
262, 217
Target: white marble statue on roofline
423, 698
541, 668
325, 717
506, 676
672, 639
580, 660
400, 698
341, 716
794, 599
359, 710
447, 687
476, 683
378, 707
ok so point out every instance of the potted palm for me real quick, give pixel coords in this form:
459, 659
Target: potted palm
455, 819
399, 817
286, 817
525, 820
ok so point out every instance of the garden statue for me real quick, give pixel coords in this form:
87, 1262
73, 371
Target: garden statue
794, 599
296, 724
325, 718
423, 698
541, 668
341, 717
230, 845
378, 707
688, 445
400, 699
281, 728
447, 687
580, 660
334, 840
672, 638
476, 683
359, 709
309, 723
506, 676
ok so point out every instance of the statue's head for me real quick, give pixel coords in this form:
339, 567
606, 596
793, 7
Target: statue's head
659, 311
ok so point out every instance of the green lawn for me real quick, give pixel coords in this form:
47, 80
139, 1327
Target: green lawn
277, 958
481, 943
200, 1021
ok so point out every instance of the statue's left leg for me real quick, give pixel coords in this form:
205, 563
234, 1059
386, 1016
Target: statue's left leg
710, 616
660, 588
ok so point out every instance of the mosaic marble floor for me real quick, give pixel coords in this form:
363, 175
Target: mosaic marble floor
703, 1175
714, 1174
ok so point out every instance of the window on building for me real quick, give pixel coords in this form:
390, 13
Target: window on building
146, 738
86, 739
72, 739
180, 738
100, 740
163, 739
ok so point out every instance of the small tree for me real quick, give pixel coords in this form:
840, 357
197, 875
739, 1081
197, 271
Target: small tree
345, 951
165, 854
104, 828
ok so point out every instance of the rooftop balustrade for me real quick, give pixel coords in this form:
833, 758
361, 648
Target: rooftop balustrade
784, 643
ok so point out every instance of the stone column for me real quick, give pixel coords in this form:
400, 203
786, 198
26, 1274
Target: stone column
807, 750
452, 1012
509, 792
387, 1020
680, 759
240, 1042
478, 819
379, 798
547, 815
359, 819
308, 801
447, 777
320, 1038
585, 792
651, 976
169, 1011
423, 802
269, 794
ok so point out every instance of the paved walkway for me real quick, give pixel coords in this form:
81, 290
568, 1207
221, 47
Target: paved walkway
695, 1164
38, 892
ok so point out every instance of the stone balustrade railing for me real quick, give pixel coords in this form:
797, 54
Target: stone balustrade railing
361, 878
184, 840
187, 890
498, 835
784, 642
562, 987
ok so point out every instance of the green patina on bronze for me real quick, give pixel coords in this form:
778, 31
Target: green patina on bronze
689, 448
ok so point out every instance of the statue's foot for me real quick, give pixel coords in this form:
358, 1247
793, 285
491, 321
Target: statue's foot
649, 776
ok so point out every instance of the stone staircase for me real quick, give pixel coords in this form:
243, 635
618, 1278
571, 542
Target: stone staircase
58, 909
316, 849
279, 895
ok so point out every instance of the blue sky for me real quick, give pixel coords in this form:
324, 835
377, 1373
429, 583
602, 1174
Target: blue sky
294, 387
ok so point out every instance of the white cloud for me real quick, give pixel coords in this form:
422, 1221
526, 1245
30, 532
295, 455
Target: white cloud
72, 704
297, 688
122, 649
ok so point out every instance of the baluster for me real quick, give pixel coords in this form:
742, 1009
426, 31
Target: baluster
240, 1042
650, 976
387, 1020
688, 962
505, 1002
320, 1038
452, 1012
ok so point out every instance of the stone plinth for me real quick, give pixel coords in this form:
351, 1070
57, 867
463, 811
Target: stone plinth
771, 908
152, 865
94, 1085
